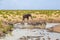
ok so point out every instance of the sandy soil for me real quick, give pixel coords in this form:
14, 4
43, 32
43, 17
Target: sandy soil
55, 28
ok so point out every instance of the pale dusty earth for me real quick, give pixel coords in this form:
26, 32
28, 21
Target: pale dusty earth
42, 33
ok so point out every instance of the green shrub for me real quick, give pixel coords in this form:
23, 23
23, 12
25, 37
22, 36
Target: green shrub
33, 16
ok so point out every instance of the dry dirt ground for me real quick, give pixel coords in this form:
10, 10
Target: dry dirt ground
56, 28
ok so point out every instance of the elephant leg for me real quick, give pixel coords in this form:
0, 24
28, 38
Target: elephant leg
23, 18
27, 18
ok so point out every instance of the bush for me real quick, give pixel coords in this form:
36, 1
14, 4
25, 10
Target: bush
33, 16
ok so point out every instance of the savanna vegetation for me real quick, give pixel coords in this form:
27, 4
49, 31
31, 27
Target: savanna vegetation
14, 16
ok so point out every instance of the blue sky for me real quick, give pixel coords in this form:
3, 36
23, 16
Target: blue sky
30, 4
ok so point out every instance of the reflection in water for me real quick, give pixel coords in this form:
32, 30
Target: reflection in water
19, 33
28, 26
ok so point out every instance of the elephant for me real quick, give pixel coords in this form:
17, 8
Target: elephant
26, 16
